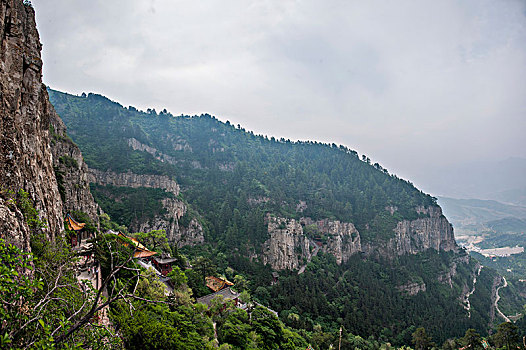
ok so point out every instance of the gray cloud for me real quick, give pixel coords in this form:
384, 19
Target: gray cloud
411, 84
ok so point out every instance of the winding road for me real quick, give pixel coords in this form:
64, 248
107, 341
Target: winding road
468, 304
497, 301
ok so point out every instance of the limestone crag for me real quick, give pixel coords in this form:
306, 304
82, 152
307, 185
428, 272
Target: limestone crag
175, 232
342, 238
130, 179
138, 146
287, 246
25, 155
412, 288
71, 171
431, 230
447, 277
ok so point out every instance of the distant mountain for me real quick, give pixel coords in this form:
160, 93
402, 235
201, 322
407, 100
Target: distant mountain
516, 196
478, 216
501, 180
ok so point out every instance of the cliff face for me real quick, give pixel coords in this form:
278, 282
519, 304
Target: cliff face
71, 171
28, 152
175, 232
176, 209
289, 245
25, 155
411, 237
130, 179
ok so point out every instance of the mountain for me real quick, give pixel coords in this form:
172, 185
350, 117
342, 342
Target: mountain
483, 217
500, 180
355, 247
33, 141
353, 244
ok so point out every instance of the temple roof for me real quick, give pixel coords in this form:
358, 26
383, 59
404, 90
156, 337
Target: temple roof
227, 293
73, 224
216, 283
140, 250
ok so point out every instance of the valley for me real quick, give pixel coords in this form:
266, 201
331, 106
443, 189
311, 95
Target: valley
130, 229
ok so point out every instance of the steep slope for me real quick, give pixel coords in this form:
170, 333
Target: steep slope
360, 238
26, 147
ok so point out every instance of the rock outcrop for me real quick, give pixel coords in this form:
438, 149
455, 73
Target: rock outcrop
71, 171
28, 150
412, 288
432, 231
192, 234
175, 232
136, 145
289, 243
287, 247
130, 179
342, 238
25, 155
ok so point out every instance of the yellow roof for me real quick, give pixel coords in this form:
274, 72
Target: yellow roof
215, 283
74, 225
140, 250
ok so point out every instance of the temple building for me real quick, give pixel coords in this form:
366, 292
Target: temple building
216, 283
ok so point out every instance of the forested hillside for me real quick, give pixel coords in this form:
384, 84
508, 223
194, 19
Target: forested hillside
403, 269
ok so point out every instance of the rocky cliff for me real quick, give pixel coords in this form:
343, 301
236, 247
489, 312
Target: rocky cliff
130, 179
170, 222
291, 242
71, 171
287, 247
431, 230
26, 155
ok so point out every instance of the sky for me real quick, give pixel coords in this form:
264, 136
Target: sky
418, 86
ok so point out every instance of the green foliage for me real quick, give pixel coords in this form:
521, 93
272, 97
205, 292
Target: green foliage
31, 215
268, 328
178, 277
68, 161
154, 240
128, 205
421, 340
472, 340
507, 336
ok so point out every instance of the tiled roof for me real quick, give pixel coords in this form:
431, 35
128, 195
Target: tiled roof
227, 293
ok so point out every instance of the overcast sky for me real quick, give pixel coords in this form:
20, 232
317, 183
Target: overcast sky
413, 84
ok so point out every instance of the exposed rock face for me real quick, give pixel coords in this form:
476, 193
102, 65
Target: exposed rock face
418, 235
130, 179
432, 230
343, 239
71, 171
412, 288
25, 155
175, 232
138, 146
287, 246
